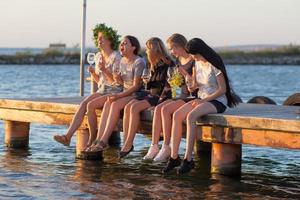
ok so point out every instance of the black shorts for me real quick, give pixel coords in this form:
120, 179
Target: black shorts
186, 100
152, 100
218, 105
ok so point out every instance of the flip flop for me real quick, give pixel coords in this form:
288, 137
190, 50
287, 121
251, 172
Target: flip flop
62, 139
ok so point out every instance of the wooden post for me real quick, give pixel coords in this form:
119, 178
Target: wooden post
17, 134
226, 159
202, 147
82, 137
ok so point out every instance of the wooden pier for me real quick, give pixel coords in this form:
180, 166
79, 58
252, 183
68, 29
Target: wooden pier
254, 124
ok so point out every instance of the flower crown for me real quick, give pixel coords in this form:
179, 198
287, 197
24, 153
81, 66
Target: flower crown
108, 33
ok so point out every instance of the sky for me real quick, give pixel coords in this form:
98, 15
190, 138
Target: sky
36, 23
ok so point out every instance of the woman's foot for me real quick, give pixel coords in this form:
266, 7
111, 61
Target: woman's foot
186, 166
98, 146
122, 154
89, 146
172, 163
152, 152
62, 139
163, 154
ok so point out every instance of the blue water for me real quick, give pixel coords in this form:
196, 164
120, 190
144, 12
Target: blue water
50, 171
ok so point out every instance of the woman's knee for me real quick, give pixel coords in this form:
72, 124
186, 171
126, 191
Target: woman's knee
90, 107
192, 117
115, 106
165, 111
134, 109
178, 116
127, 108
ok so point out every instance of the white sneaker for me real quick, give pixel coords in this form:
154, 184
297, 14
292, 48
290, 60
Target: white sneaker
163, 154
152, 152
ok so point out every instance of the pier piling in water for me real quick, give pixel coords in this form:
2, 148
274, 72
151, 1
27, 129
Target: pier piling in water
16, 134
252, 124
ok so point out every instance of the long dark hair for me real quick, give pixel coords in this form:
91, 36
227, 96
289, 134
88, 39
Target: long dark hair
135, 43
198, 46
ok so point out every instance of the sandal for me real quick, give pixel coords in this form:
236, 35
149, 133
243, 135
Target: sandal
89, 147
62, 139
98, 147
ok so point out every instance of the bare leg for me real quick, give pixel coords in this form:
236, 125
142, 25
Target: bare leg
198, 111
92, 117
126, 118
134, 122
157, 122
114, 116
178, 118
79, 115
103, 119
167, 112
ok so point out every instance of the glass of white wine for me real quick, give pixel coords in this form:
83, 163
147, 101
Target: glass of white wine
116, 72
146, 76
189, 83
91, 58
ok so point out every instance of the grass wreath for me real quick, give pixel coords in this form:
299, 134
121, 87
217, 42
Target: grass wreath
109, 33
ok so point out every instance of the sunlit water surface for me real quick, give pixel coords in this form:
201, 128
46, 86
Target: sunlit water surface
49, 170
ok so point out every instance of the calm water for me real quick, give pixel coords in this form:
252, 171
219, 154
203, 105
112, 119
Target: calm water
50, 171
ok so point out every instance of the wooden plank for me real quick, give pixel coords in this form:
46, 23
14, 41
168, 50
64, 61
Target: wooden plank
277, 139
49, 118
66, 105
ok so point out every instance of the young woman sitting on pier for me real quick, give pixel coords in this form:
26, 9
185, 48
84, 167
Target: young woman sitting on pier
214, 94
159, 62
108, 41
162, 118
131, 66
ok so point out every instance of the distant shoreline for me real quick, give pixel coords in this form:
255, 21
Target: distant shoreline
287, 55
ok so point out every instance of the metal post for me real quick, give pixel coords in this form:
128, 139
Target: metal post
82, 50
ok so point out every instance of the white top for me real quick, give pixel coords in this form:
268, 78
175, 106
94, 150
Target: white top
206, 78
131, 71
113, 59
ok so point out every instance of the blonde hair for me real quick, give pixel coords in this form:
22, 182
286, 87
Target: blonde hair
158, 52
177, 40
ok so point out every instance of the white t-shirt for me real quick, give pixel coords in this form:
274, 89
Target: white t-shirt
113, 59
206, 77
131, 71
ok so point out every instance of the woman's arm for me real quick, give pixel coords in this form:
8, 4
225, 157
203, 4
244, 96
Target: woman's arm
136, 85
220, 91
93, 74
108, 75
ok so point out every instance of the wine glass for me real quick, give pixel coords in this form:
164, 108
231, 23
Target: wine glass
146, 75
189, 83
170, 73
116, 72
91, 58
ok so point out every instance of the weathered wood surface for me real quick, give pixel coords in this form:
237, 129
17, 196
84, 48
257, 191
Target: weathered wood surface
264, 125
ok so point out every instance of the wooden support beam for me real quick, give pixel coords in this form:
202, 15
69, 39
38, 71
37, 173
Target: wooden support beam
17, 134
268, 138
226, 159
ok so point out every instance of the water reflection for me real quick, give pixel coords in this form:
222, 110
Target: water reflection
50, 170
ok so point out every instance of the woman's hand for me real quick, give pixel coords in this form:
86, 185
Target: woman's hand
113, 98
91, 70
117, 78
182, 71
196, 102
101, 62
